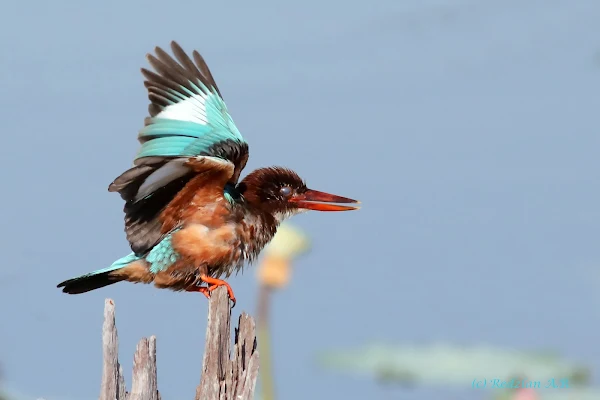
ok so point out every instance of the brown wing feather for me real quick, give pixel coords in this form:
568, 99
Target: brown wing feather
212, 174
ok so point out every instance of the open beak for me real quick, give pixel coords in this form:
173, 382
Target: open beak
321, 201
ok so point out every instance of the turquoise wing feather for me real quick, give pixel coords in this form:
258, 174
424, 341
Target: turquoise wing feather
189, 126
187, 118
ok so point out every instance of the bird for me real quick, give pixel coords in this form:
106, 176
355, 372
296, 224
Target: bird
189, 219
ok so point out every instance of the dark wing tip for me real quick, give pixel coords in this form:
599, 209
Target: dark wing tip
176, 48
171, 73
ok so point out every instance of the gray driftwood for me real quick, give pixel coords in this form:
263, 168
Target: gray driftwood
113, 383
223, 377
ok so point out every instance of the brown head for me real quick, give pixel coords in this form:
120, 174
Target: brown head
282, 193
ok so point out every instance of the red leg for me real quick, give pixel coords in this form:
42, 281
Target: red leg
202, 289
215, 283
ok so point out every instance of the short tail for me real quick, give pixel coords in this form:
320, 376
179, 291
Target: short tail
97, 279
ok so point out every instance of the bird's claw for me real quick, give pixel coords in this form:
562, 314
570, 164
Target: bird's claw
229, 293
204, 290
215, 283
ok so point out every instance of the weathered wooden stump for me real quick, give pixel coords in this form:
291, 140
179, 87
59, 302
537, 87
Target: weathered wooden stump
223, 377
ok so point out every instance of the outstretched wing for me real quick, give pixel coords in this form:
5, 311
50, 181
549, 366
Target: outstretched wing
187, 118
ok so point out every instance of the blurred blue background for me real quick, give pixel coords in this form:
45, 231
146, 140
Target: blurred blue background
468, 128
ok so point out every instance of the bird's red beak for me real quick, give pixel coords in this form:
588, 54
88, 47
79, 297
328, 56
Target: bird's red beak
321, 201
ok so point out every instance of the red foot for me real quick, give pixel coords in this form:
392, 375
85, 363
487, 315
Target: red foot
215, 283
204, 291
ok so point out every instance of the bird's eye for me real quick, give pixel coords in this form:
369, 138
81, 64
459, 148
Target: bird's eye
286, 191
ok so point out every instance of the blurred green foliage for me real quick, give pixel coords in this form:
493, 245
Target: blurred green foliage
452, 365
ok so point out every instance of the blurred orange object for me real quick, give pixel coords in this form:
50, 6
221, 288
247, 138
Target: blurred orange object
274, 272
275, 268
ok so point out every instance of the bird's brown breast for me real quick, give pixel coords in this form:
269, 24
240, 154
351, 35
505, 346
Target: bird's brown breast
216, 237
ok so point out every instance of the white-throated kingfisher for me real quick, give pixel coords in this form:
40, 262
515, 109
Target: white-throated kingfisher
187, 218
